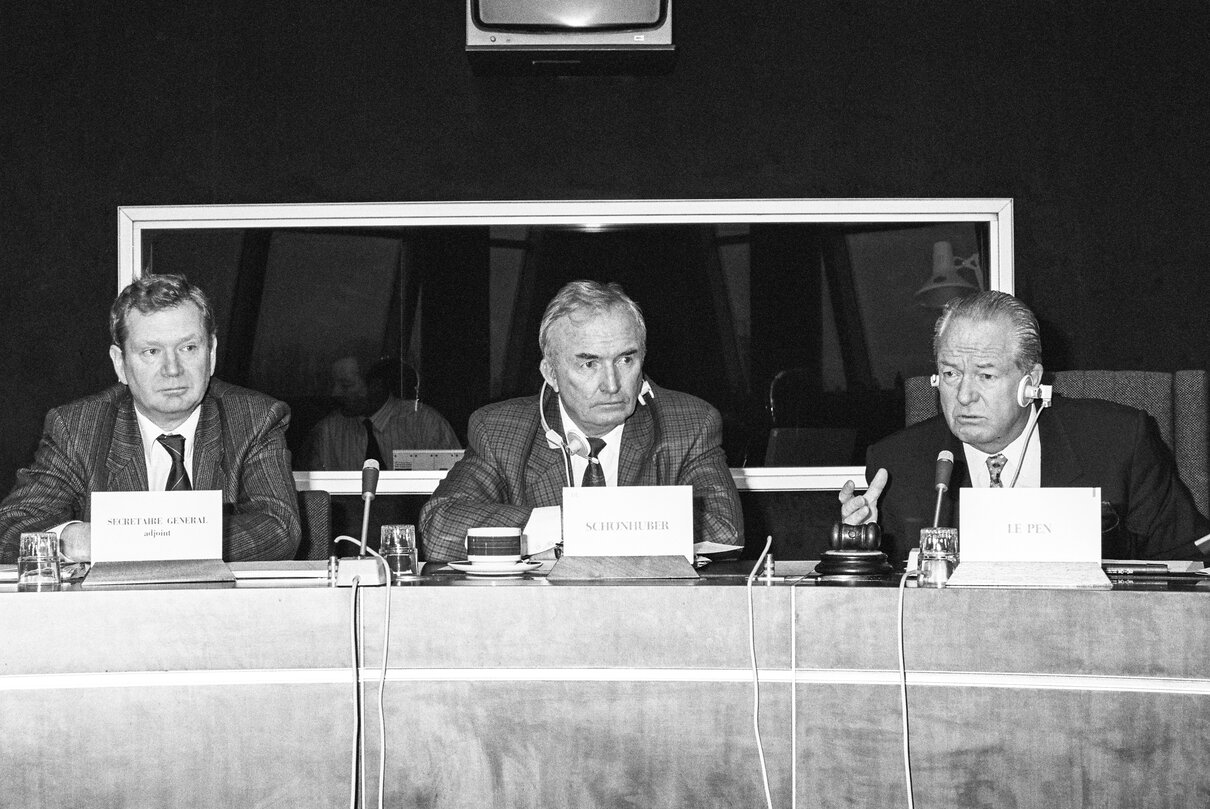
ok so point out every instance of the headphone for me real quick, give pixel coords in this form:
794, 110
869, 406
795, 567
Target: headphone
1027, 391
575, 444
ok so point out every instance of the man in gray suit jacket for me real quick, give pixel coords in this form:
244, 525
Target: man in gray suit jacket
167, 425
606, 424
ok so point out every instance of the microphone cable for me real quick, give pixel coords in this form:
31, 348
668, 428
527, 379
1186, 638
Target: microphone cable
760, 748
358, 726
1034, 412
354, 780
903, 695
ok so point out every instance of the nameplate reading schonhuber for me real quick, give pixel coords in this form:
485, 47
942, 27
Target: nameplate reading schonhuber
628, 521
136, 526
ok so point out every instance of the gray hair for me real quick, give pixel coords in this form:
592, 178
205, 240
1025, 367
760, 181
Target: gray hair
991, 305
155, 293
588, 296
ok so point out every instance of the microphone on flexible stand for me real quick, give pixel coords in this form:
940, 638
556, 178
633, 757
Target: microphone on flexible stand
365, 571
945, 469
938, 552
369, 485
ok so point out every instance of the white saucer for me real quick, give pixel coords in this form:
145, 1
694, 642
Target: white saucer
495, 568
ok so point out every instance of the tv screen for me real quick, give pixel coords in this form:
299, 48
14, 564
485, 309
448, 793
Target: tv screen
569, 36
560, 15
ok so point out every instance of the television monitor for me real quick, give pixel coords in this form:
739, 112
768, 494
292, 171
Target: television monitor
569, 36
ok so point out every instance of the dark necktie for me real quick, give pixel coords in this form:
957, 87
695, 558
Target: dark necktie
372, 448
178, 478
594, 475
995, 465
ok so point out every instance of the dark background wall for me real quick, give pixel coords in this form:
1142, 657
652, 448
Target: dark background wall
1092, 116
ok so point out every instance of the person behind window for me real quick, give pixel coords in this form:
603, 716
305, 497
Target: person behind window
376, 411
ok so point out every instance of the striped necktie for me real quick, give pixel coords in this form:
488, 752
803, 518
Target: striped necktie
594, 475
178, 478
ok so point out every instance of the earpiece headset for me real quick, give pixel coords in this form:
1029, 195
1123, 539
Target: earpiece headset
1027, 391
575, 444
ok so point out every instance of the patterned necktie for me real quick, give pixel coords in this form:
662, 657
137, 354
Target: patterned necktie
995, 464
372, 448
594, 475
178, 478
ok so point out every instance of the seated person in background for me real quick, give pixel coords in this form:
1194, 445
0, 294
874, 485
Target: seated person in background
166, 402
986, 346
370, 420
593, 341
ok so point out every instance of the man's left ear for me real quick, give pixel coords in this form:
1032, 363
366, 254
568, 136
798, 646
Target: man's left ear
115, 356
213, 352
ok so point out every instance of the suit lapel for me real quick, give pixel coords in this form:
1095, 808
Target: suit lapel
127, 469
1060, 464
959, 479
545, 467
208, 447
637, 441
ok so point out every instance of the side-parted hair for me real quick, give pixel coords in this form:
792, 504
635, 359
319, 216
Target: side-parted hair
994, 305
155, 293
588, 297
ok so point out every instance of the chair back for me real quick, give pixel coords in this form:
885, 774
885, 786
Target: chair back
315, 513
1177, 401
919, 400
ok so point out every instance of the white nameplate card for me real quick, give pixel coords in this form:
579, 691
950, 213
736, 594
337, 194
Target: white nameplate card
628, 521
138, 526
1030, 525
1030, 538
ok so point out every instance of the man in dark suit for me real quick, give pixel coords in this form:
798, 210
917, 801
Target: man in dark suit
606, 424
988, 355
166, 425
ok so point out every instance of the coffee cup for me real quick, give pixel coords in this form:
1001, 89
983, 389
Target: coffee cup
493, 545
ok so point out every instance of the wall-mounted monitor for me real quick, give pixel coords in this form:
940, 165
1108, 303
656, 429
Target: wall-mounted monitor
569, 36
782, 313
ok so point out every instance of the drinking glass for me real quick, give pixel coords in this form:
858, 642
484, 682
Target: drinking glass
398, 548
938, 555
38, 563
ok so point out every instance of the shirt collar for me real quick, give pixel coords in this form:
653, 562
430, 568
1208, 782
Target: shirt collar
976, 460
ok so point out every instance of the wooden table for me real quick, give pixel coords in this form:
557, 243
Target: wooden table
528, 693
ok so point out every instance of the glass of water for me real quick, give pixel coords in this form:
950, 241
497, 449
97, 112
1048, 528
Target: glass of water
938, 556
398, 548
38, 563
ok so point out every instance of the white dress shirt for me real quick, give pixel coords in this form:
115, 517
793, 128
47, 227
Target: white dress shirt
1031, 471
158, 459
609, 457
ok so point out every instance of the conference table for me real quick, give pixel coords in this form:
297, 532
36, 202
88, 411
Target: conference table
524, 692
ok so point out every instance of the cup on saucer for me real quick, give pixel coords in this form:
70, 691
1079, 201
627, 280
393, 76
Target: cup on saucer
493, 546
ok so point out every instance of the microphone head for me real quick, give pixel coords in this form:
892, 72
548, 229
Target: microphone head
945, 469
369, 477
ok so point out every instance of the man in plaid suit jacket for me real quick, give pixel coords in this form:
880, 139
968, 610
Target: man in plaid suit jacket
163, 352
522, 452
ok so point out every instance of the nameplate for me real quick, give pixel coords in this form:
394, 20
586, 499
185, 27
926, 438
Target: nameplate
133, 526
1030, 525
628, 521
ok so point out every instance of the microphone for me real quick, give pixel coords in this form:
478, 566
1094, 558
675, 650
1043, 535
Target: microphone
945, 469
369, 485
